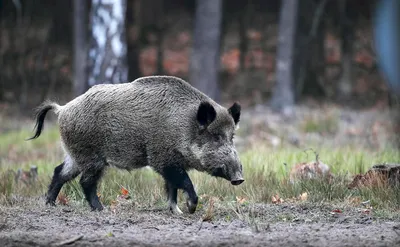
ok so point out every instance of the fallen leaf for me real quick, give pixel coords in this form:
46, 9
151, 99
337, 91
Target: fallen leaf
336, 211
355, 201
62, 199
113, 206
124, 194
240, 200
210, 210
303, 196
203, 196
276, 199
124, 191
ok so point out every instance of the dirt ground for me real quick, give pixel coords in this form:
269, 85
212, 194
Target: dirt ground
33, 224
29, 222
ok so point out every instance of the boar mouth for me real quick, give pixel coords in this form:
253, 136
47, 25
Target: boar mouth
219, 172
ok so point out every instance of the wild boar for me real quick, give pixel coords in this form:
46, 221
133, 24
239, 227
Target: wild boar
157, 121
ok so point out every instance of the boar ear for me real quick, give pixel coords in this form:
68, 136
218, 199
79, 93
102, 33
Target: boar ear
206, 113
235, 112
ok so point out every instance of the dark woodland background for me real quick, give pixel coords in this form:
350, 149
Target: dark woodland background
334, 58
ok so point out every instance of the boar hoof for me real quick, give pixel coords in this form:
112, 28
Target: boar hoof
191, 206
51, 203
97, 208
175, 210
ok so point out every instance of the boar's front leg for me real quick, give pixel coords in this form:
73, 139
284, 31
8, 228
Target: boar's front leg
172, 194
177, 178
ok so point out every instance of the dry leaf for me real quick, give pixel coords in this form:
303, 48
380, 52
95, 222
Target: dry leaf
240, 200
209, 212
124, 194
336, 211
276, 199
303, 196
113, 206
204, 196
62, 199
124, 191
355, 201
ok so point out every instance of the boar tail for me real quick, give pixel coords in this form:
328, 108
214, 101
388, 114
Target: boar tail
41, 114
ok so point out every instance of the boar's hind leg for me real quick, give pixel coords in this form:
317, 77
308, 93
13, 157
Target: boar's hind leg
89, 180
177, 178
58, 180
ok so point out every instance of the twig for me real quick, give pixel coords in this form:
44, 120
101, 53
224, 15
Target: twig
70, 241
152, 227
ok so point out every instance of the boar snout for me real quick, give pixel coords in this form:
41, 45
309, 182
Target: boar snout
191, 205
237, 181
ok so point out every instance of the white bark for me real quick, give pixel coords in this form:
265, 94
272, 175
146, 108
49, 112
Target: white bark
107, 53
80, 56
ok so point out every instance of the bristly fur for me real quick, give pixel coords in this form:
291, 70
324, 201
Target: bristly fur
157, 121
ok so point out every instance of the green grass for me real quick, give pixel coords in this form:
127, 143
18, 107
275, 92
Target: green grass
265, 173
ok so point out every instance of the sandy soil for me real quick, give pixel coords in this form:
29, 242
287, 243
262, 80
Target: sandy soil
33, 224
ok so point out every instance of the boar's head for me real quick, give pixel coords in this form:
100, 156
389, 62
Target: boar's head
213, 143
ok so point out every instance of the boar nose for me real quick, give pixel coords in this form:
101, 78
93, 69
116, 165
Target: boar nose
237, 181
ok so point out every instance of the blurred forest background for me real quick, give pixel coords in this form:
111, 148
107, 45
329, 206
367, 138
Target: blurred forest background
229, 49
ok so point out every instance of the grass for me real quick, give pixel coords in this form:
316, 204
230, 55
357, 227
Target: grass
264, 170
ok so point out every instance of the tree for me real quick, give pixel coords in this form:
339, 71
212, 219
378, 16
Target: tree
283, 92
153, 22
80, 55
204, 62
309, 56
347, 39
107, 52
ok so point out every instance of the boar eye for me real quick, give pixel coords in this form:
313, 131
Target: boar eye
217, 138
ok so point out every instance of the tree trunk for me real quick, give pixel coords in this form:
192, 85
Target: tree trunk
80, 55
309, 58
107, 53
204, 63
283, 91
153, 23
345, 82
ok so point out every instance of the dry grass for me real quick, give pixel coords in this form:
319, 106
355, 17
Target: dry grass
265, 173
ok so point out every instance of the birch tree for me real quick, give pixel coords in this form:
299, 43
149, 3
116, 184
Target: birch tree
107, 52
80, 55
